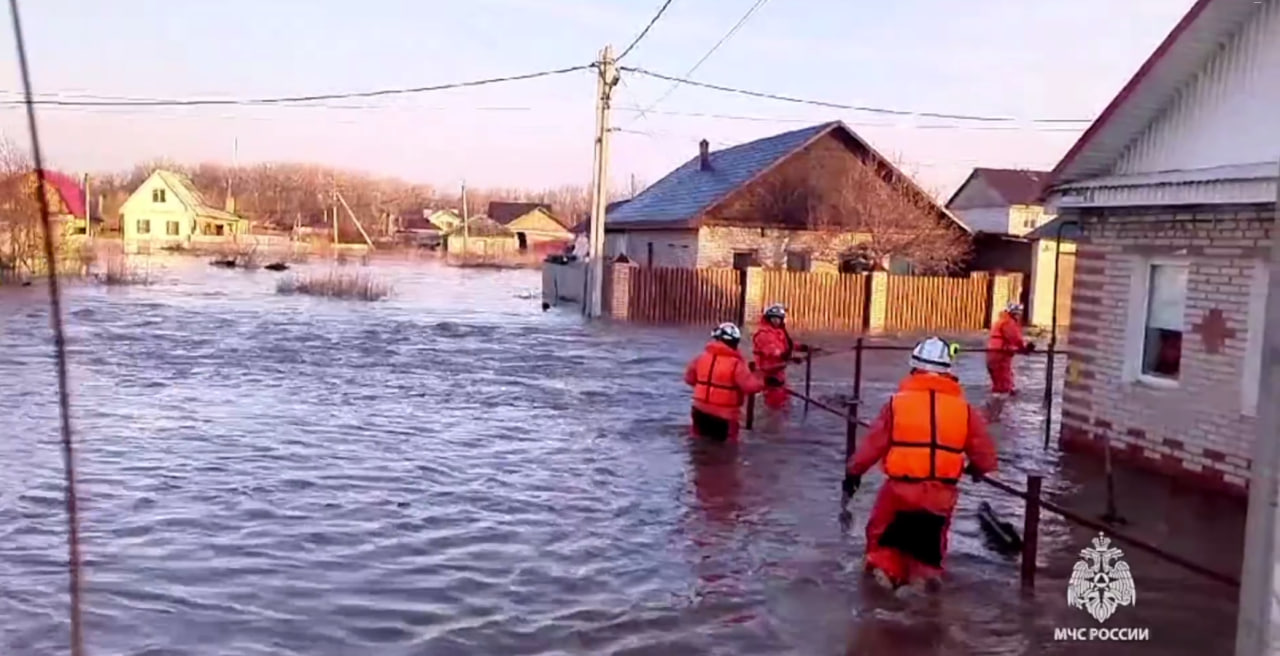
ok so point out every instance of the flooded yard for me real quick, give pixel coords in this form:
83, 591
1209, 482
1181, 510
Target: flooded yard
454, 471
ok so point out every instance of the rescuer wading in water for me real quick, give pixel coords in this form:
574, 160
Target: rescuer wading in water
1004, 342
922, 437
774, 350
721, 380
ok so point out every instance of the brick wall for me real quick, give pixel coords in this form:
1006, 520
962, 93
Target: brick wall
1197, 430
716, 245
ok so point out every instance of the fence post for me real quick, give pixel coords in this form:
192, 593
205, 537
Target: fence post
751, 412
1031, 532
808, 376
851, 428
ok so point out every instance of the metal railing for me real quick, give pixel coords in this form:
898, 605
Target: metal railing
1032, 495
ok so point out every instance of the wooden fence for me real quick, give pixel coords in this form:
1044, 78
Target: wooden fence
820, 302
918, 303
697, 296
816, 302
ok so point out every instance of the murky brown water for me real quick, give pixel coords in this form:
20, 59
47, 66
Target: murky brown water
456, 472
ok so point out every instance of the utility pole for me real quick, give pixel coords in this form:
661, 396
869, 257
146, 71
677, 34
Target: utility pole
1258, 599
608, 78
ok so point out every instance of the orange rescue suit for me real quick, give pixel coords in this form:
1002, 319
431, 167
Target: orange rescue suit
773, 349
721, 382
921, 437
1004, 341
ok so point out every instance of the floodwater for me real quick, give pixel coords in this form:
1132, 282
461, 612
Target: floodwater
453, 471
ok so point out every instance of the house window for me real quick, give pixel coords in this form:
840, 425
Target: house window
745, 259
171, 228
798, 261
1251, 382
856, 262
1164, 320
157, 195
144, 226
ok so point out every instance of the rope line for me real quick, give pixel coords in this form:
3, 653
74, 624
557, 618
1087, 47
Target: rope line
60, 348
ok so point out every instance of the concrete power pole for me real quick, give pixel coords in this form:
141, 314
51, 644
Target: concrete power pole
608, 78
1258, 601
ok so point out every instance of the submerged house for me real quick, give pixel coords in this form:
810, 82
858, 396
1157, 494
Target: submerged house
1172, 195
745, 206
167, 211
533, 224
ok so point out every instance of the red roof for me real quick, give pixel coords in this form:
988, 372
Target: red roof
69, 190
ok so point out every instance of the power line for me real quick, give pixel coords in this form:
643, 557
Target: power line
645, 31
832, 105
810, 121
689, 73
281, 100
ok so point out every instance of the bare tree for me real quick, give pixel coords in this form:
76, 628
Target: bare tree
861, 209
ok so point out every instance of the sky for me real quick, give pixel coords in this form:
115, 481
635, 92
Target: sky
1023, 59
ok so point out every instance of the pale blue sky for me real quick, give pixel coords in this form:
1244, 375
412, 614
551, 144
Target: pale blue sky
1022, 58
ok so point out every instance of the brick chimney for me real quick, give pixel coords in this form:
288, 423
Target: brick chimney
704, 155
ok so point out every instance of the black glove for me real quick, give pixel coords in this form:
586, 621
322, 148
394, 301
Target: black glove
1028, 347
850, 484
797, 360
973, 473
803, 348
772, 381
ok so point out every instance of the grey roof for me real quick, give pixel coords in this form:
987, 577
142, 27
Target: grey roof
681, 198
685, 193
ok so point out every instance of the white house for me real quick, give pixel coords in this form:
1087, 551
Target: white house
1174, 190
167, 210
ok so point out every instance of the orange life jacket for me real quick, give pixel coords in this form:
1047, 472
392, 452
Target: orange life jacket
929, 431
716, 380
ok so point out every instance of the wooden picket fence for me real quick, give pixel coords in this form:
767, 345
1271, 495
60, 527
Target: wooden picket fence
820, 302
685, 296
816, 302
918, 303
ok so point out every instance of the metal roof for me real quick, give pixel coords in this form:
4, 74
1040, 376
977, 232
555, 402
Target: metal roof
1014, 186
680, 198
1195, 38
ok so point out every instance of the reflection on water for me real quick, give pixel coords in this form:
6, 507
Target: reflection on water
454, 471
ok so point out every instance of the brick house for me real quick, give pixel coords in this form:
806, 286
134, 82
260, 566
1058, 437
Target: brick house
1173, 193
706, 213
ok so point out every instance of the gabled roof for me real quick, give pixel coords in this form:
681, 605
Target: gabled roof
481, 226
187, 194
1175, 61
1014, 186
67, 188
683, 196
505, 212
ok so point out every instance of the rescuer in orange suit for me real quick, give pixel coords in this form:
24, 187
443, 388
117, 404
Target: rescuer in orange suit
1004, 342
721, 380
774, 350
922, 436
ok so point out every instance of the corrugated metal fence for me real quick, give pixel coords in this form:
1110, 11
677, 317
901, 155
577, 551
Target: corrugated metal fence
917, 303
820, 302
703, 296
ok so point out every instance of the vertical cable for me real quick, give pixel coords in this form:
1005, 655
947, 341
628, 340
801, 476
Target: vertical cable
60, 345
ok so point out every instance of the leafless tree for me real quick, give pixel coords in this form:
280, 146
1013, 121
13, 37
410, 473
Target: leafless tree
861, 209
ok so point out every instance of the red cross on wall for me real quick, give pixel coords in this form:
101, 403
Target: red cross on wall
1214, 331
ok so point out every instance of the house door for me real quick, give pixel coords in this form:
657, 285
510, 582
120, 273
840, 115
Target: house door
522, 241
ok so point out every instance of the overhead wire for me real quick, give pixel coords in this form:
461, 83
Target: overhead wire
811, 121
639, 37
692, 69
60, 348
285, 100
835, 105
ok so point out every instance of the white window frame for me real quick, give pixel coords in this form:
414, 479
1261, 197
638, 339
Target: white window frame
1251, 372
1135, 333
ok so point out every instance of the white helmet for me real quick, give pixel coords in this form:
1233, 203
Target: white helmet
728, 332
775, 311
1013, 308
932, 354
